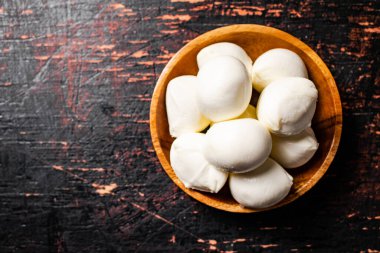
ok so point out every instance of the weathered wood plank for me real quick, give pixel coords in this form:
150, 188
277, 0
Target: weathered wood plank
77, 169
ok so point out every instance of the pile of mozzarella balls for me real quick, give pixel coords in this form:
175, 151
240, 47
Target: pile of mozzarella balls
247, 145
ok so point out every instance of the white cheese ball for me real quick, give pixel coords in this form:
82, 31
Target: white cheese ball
287, 105
182, 108
192, 168
274, 64
238, 145
296, 150
223, 88
262, 187
224, 48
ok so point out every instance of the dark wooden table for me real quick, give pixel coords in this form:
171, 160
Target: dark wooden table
78, 172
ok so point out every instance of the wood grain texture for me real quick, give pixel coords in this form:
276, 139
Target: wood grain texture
255, 40
78, 172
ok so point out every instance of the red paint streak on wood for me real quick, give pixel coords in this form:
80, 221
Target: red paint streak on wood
275, 6
187, 1
361, 77
142, 121
150, 150
239, 240
202, 7
33, 194
104, 189
121, 9
86, 60
239, 11
27, 12
172, 239
139, 79
351, 215
143, 97
117, 6
147, 63
366, 23
295, 13
266, 246
138, 41
57, 167
53, 43
78, 161
121, 115
358, 55
65, 146
127, 75
6, 84
113, 69
184, 17
101, 47
274, 13
117, 55
139, 54
126, 14
169, 31
88, 169
255, 8
372, 30
212, 242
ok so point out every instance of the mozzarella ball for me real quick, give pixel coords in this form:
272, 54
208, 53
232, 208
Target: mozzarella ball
287, 105
182, 109
223, 88
262, 187
274, 64
192, 168
238, 145
296, 150
224, 48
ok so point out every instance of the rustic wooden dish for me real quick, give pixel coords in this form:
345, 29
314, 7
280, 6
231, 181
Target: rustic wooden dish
255, 39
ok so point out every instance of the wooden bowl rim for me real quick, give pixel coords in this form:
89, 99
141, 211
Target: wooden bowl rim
240, 28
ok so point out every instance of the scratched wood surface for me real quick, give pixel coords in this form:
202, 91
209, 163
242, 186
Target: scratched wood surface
77, 169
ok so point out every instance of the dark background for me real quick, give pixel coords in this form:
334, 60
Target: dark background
78, 172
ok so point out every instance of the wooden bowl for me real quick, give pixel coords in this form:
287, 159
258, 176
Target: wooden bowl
255, 39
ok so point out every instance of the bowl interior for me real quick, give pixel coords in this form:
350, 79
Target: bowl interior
255, 40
